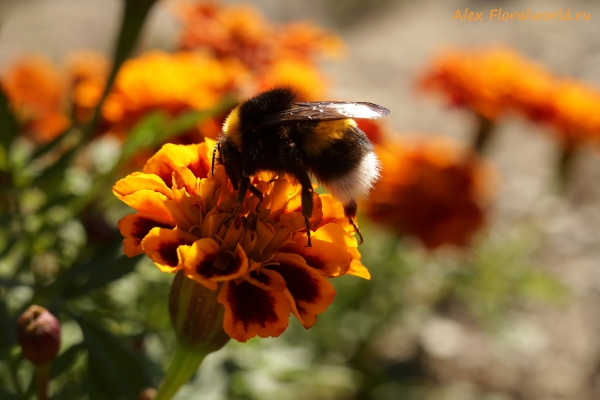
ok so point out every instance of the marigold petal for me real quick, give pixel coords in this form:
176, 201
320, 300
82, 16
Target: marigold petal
264, 234
252, 311
184, 178
149, 202
311, 291
266, 279
281, 193
186, 208
334, 233
358, 269
333, 212
135, 227
171, 156
330, 259
138, 181
161, 246
201, 262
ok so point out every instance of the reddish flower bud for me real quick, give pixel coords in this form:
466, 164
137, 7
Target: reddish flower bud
39, 335
148, 394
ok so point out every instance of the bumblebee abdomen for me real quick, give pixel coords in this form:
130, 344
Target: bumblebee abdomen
341, 157
321, 135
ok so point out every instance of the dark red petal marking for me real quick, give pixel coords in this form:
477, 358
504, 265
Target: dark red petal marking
143, 225
168, 251
251, 304
199, 168
314, 261
205, 268
301, 284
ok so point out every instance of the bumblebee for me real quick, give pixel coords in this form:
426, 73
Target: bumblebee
272, 132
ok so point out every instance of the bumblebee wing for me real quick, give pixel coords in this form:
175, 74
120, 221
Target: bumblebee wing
326, 110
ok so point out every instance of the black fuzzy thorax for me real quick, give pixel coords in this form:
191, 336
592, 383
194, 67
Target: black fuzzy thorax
267, 148
255, 110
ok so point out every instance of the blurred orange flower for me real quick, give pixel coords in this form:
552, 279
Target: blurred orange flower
240, 32
258, 261
87, 72
483, 80
277, 55
42, 93
495, 81
36, 90
170, 82
431, 188
576, 115
306, 80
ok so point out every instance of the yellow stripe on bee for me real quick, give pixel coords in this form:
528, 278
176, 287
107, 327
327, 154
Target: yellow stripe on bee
325, 133
231, 127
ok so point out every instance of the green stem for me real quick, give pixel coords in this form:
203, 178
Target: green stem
484, 132
134, 15
42, 373
564, 166
185, 362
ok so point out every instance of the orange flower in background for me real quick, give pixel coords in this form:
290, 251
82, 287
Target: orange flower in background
36, 90
170, 82
375, 129
240, 32
304, 78
258, 261
87, 72
237, 32
277, 55
430, 188
483, 80
496, 81
576, 115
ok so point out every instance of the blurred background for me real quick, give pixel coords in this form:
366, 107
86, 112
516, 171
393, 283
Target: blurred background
515, 316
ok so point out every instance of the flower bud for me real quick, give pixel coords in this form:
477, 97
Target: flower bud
196, 316
147, 394
39, 335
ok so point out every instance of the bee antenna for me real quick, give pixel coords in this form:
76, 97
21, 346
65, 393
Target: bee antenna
217, 147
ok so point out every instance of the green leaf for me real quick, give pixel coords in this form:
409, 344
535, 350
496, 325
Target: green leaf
65, 361
115, 370
145, 134
51, 145
101, 275
104, 266
4, 395
8, 323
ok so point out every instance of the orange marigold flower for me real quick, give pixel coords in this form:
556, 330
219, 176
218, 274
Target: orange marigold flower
495, 81
303, 77
375, 129
170, 82
240, 32
430, 188
36, 90
87, 72
483, 80
258, 261
576, 115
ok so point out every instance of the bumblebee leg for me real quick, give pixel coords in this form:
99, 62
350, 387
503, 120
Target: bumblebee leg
307, 202
350, 212
217, 147
244, 186
258, 194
